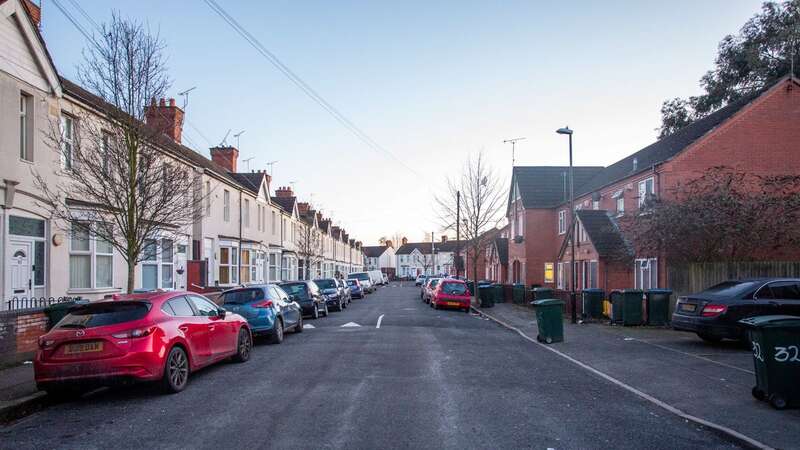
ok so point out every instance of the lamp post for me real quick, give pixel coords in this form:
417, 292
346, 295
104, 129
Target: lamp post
458, 232
572, 299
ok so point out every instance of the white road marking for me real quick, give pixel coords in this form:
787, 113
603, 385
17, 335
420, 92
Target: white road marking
379, 321
750, 441
308, 326
350, 324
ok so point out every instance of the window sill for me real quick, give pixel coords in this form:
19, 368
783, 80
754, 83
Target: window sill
94, 291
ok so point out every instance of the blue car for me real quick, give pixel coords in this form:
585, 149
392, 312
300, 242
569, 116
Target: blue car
355, 288
268, 309
333, 294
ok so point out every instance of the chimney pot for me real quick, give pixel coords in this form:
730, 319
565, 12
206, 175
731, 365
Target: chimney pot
225, 157
172, 103
162, 102
165, 119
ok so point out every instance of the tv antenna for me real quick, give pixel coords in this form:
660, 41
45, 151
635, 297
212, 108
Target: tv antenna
237, 138
224, 141
185, 95
271, 168
247, 161
513, 143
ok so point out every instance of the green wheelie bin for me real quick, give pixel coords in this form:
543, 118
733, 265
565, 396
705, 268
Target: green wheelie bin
592, 302
775, 341
549, 319
541, 293
498, 293
486, 295
657, 306
631, 307
519, 294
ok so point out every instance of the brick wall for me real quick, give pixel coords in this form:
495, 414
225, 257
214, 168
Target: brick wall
19, 334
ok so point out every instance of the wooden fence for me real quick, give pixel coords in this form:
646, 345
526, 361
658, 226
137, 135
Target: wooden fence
698, 276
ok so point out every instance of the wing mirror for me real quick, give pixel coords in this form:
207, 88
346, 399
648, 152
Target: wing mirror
221, 313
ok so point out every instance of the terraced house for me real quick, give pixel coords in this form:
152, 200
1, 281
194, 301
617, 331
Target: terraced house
757, 134
245, 234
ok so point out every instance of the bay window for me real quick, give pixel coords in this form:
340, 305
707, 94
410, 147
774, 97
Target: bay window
228, 262
91, 259
158, 265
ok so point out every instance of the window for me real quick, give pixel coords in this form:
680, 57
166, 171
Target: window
158, 264
646, 273
560, 274
226, 205
273, 223
246, 274
68, 140
620, 205
246, 213
646, 191
258, 219
562, 221
520, 216
273, 266
204, 307
180, 306
105, 151
228, 261
548, 272
590, 274
596, 205
25, 129
91, 259
167, 257
284, 268
781, 290
208, 198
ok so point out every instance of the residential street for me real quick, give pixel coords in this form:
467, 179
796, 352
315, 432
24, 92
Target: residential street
424, 379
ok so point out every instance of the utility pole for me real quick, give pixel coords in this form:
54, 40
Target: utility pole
458, 232
513, 143
433, 254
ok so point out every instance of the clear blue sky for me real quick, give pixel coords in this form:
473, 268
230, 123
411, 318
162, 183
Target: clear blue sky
430, 81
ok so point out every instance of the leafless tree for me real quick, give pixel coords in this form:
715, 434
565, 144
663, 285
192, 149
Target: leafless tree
309, 247
117, 182
482, 195
724, 215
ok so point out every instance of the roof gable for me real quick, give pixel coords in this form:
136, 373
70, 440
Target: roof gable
603, 232
546, 186
28, 57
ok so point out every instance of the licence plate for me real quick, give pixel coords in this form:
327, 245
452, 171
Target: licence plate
85, 347
453, 304
688, 307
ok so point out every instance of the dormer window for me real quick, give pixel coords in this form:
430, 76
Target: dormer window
635, 164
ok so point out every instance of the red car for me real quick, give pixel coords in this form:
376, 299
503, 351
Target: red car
451, 294
158, 336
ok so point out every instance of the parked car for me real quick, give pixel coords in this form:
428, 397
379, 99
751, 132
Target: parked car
308, 295
364, 279
345, 289
376, 277
715, 312
427, 289
355, 288
385, 279
421, 279
451, 293
157, 336
334, 297
268, 309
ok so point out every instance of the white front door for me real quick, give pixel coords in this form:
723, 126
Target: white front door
20, 268
208, 254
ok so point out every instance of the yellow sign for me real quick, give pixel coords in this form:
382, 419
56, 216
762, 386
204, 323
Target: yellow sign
548, 273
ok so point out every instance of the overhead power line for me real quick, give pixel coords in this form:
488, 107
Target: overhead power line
302, 85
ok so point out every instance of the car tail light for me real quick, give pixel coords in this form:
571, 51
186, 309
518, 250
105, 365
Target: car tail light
263, 304
712, 310
135, 333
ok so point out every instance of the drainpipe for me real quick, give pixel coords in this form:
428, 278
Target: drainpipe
239, 265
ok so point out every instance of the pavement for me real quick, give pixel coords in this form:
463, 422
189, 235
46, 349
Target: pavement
388, 372
711, 382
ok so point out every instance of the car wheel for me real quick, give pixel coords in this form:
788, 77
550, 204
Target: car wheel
326, 311
277, 336
176, 371
709, 338
758, 394
244, 346
315, 315
299, 327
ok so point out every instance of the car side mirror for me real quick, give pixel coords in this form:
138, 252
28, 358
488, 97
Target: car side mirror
293, 298
221, 313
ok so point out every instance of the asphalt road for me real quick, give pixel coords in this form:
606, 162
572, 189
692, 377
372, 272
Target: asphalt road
424, 379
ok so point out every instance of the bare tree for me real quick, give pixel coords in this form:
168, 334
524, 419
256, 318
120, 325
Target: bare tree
116, 183
482, 196
309, 247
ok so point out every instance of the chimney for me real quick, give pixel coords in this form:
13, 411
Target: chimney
34, 11
284, 191
225, 157
165, 118
404, 240
444, 239
389, 243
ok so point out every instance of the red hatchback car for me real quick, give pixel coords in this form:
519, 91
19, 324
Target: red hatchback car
451, 294
158, 336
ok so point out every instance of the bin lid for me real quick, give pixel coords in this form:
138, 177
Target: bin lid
625, 291
659, 291
592, 290
540, 289
773, 321
547, 302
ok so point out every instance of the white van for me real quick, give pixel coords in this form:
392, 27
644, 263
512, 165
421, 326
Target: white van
365, 279
376, 277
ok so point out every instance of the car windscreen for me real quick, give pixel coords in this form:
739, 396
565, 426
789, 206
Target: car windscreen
352, 283
433, 283
298, 289
326, 284
454, 288
242, 296
730, 288
359, 276
104, 313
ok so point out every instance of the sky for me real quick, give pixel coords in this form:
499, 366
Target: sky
430, 82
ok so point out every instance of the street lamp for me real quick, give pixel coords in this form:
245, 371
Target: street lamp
572, 299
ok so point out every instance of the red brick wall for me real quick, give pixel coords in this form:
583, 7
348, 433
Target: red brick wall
29, 328
539, 245
19, 334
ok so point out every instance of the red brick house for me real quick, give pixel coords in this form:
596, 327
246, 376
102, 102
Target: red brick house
758, 134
